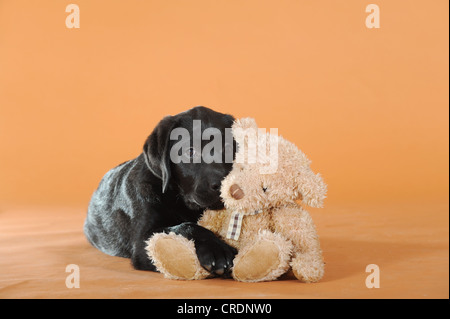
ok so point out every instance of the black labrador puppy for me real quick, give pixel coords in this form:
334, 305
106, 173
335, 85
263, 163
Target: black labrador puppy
153, 193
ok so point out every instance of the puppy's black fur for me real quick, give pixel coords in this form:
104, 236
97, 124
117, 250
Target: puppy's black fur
151, 194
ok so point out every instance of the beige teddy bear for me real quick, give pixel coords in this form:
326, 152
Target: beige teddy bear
261, 217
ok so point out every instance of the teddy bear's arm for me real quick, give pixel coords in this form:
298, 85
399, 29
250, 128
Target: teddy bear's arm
297, 225
213, 220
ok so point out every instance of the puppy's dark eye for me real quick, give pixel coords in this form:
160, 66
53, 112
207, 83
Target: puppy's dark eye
190, 152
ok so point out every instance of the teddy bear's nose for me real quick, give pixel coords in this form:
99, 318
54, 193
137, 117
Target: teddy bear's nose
236, 192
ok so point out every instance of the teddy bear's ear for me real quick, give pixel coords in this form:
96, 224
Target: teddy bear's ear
244, 123
245, 133
311, 187
307, 186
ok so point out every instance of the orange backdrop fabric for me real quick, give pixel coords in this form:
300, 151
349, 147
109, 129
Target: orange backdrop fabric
39, 243
368, 106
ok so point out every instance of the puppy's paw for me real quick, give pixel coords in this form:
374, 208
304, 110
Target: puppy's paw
215, 255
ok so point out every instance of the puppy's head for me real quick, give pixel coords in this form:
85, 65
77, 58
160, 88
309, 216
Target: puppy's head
191, 153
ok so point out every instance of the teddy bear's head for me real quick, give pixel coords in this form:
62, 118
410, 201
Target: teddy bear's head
268, 172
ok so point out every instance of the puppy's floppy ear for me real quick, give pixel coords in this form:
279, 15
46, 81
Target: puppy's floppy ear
156, 150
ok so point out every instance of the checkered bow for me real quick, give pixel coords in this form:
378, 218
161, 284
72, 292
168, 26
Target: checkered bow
235, 225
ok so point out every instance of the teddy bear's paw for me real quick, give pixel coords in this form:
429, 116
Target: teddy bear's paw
264, 260
175, 257
308, 269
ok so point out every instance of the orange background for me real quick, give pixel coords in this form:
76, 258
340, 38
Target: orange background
368, 106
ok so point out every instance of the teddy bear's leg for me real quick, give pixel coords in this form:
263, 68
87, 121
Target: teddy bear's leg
296, 224
264, 259
307, 267
175, 257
